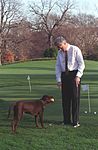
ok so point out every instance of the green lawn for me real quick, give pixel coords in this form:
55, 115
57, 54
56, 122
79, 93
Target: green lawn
14, 86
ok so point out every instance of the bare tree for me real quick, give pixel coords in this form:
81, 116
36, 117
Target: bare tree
86, 32
9, 12
48, 15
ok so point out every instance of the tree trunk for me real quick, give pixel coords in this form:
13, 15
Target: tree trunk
2, 49
0, 58
50, 40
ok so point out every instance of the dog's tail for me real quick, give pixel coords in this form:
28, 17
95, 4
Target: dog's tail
11, 107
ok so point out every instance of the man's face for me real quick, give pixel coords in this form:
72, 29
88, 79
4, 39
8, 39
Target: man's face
62, 46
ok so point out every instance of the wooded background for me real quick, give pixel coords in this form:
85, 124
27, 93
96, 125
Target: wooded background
27, 36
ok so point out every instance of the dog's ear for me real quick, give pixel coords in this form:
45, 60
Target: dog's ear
45, 97
48, 98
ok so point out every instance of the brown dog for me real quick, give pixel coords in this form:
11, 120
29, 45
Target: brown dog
35, 108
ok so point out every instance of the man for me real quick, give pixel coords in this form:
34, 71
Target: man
69, 70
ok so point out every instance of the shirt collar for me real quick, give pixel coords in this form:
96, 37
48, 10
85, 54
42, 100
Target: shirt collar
68, 47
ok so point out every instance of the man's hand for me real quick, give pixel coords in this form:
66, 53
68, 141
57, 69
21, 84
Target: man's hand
59, 85
77, 79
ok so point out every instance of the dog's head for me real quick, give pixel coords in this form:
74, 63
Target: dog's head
47, 99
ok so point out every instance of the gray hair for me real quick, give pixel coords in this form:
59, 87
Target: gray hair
59, 40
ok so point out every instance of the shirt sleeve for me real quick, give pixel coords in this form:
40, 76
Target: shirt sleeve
81, 64
58, 69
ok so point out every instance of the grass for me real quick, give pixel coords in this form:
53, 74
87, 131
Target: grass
14, 86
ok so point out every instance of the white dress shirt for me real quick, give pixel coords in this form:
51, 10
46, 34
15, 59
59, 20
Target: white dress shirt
75, 61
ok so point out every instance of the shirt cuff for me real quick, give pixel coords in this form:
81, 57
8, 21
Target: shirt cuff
79, 74
58, 79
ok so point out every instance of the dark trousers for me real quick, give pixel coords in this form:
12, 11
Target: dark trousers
70, 97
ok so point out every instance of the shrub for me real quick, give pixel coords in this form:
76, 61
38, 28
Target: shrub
8, 57
50, 52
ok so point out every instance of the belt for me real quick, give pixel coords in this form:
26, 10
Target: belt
69, 72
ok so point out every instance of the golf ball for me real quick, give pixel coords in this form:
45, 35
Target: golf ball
95, 112
50, 124
85, 112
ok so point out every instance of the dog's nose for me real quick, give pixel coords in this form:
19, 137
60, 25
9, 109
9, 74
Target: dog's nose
52, 99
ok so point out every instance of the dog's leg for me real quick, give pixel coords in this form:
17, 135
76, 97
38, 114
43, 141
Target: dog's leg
15, 122
36, 120
14, 125
41, 115
10, 109
18, 113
